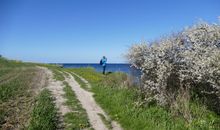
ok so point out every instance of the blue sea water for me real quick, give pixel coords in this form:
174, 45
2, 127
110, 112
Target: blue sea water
126, 68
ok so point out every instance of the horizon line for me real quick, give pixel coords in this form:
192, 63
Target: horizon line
87, 63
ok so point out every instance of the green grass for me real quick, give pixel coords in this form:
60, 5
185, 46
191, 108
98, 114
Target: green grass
58, 75
107, 122
19, 102
78, 118
203, 118
88, 73
16, 93
121, 103
12, 63
81, 82
44, 113
17, 84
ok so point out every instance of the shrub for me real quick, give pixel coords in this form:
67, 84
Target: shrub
180, 66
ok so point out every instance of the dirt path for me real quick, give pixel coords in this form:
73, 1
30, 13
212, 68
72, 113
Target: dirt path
56, 88
85, 97
93, 110
85, 81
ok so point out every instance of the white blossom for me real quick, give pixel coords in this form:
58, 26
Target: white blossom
182, 60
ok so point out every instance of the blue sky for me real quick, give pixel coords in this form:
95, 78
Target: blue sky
82, 31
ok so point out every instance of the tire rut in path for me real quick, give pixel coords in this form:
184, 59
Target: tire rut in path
56, 88
92, 108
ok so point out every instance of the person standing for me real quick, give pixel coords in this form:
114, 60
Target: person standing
103, 62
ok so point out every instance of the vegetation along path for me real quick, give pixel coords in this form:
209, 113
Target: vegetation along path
96, 116
56, 87
94, 111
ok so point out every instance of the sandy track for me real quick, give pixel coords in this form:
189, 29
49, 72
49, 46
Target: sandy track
85, 97
56, 88
91, 107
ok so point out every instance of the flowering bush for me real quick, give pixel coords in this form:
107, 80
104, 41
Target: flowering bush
181, 65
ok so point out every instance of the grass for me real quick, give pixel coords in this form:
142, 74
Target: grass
77, 119
16, 93
18, 84
88, 73
121, 104
13, 64
19, 102
107, 122
203, 118
18, 99
44, 115
58, 75
80, 81
21, 108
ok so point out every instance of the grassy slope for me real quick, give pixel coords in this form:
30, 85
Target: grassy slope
18, 99
122, 104
15, 93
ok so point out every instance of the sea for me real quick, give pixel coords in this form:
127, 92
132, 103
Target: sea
125, 68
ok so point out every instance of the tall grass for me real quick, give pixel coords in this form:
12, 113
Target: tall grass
44, 115
17, 93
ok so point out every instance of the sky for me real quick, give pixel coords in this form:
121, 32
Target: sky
82, 31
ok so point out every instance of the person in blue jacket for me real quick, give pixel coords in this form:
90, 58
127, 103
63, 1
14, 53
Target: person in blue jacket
103, 62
